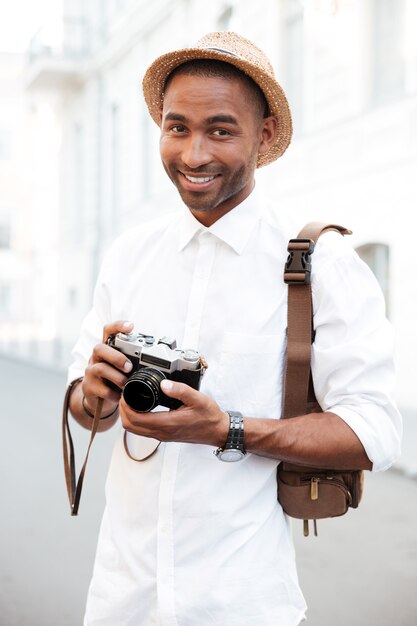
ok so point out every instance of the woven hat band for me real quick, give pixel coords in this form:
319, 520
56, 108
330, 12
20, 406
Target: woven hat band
225, 51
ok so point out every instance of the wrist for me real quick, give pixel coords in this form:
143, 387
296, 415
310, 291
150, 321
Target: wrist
234, 447
90, 412
223, 430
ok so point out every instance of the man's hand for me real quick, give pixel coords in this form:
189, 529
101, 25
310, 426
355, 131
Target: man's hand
105, 365
199, 420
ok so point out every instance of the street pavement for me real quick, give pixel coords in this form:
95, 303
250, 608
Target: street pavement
360, 571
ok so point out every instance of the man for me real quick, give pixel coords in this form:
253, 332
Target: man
188, 539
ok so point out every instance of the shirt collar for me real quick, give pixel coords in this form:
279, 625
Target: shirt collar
234, 228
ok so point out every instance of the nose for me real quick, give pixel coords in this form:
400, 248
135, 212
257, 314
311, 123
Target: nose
196, 151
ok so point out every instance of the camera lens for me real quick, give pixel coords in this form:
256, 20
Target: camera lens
142, 390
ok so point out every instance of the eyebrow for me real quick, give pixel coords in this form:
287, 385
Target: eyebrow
222, 119
175, 117
216, 119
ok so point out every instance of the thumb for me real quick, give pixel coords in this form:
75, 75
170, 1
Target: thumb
186, 394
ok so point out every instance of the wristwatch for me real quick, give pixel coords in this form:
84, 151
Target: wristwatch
234, 448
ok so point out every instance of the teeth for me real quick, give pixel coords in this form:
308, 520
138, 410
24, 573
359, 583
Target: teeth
202, 179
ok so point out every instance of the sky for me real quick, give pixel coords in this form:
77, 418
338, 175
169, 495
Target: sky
20, 19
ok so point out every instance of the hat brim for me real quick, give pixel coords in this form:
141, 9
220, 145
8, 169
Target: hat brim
157, 74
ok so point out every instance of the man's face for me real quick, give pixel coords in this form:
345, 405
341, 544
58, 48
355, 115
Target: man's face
211, 133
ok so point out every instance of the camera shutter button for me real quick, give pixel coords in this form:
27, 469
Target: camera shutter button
190, 355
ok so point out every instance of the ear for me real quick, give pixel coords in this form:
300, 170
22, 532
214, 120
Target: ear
267, 133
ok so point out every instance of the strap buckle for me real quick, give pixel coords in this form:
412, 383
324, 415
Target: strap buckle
298, 266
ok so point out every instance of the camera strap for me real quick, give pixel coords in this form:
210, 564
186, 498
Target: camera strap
74, 487
133, 458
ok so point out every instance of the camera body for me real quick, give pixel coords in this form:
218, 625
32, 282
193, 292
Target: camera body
152, 362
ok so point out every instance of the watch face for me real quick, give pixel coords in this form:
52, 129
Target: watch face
231, 455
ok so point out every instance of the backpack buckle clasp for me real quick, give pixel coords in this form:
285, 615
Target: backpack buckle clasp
298, 266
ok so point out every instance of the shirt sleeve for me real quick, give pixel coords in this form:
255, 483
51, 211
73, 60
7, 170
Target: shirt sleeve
352, 357
91, 332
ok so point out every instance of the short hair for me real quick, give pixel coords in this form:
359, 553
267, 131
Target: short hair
212, 68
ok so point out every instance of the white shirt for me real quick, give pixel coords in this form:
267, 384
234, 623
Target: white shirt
187, 540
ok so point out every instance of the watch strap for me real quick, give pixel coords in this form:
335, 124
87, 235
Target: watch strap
234, 448
236, 436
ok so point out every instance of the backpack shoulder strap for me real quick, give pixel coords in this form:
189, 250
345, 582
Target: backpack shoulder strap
297, 275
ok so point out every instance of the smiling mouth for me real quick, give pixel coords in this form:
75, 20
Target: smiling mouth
199, 180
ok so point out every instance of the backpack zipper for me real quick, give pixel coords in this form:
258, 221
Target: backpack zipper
314, 486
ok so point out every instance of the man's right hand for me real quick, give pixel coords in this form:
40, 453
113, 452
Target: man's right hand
105, 364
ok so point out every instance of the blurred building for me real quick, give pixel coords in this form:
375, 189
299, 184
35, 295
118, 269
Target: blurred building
13, 198
349, 68
29, 214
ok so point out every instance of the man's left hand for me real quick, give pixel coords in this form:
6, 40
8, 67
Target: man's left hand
199, 420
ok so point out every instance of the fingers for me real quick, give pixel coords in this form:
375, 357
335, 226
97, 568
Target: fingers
186, 394
107, 354
198, 420
102, 380
107, 371
121, 326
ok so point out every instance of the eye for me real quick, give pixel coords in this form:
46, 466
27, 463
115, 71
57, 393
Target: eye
178, 128
221, 132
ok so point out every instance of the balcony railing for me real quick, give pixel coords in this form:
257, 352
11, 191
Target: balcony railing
72, 43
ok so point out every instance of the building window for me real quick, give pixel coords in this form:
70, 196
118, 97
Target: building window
5, 231
377, 256
78, 212
5, 299
72, 298
147, 150
115, 135
388, 57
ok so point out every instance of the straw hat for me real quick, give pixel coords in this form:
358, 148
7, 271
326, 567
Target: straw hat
244, 55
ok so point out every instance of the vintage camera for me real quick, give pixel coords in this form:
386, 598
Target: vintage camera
152, 362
